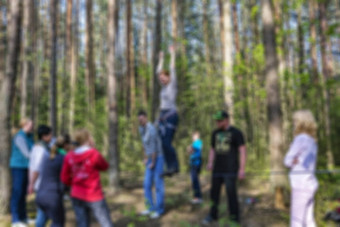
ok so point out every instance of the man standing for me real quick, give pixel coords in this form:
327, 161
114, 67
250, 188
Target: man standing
227, 160
153, 160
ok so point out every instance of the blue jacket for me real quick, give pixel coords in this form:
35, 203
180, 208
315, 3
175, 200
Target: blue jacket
18, 158
196, 156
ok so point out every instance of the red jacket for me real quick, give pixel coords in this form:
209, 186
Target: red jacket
81, 172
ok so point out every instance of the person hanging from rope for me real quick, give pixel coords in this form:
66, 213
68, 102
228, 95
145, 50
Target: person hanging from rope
168, 119
302, 156
227, 161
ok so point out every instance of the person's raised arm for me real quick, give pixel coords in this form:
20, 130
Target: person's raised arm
173, 75
160, 63
243, 157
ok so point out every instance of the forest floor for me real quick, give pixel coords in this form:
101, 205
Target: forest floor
126, 205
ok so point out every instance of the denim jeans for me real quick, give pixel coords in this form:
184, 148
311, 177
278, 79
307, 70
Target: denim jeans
100, 210
230, 184
19, 192
154, 177
168, 126
195, 173
41, 218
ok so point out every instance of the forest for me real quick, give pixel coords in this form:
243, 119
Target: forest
92, 64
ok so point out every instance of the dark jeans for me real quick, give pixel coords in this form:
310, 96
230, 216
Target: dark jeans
230, 183
195, 173
168, 125
100, 210
51, 203
19, 192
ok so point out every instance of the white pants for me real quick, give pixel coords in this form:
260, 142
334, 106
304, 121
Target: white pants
302, 208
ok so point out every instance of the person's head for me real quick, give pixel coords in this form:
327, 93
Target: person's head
142, 118
164, 77
222, 119
195, 135
62, 142
45, 133
26, 125
83, 137
304, 122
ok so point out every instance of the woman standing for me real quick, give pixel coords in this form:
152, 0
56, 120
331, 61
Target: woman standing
22, 144
301, 159
168, 116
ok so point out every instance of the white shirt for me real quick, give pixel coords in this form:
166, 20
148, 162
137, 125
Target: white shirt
36, 162
302, 175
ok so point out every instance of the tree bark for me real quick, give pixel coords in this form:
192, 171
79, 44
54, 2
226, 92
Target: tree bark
273, 100
144, 55
112, 99
130, 73
227, 44
8, 74
312, 29
53, 66
156, 50
36, 64
206, 34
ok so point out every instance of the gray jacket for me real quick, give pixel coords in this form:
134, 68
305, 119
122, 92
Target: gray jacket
150, 139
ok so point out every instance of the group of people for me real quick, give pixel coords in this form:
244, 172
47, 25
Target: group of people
51, 169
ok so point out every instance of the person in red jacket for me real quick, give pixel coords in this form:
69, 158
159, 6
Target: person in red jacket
81, 171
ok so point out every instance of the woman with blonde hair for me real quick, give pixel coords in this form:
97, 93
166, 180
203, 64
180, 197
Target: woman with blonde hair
301, 159
22, 144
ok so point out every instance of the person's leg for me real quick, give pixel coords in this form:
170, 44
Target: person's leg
215, 196
231, 188
15, 195
309, 220
102, 213
299, 201
148, 188
41, 218
82, 213
171, 127
56, 211
159, 184
195, 181
23, 195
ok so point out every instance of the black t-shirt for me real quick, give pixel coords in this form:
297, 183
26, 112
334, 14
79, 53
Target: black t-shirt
226, 144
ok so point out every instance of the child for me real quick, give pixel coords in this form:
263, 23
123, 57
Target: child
195, 151
81, 171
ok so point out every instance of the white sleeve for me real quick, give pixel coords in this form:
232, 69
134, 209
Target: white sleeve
296, 148
36, 159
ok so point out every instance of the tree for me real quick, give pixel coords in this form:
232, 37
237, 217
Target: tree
227, 44
112, 98
8, 74
156, 50
273, 101
312, 29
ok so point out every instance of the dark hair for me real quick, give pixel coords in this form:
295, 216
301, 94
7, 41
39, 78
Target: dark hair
166, 73
142, 113
43, 130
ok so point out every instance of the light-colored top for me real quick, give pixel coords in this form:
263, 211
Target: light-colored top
36, 162
150, 139
168, 92
304, 149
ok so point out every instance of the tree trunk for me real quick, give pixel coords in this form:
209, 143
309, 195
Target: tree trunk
206, 35
174, 26
8, 74
227, 43
112, 99
156, 50
273, 100
313, 40
27, 62
327, 73
130, 101
36, 64
144, 56
90, 73
53, 65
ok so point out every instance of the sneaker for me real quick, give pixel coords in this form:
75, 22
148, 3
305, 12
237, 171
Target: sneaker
196, 201
208, 220
30, 221
19, 224
155, 215
145, 213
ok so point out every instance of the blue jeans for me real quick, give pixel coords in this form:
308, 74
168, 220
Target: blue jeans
195, 173
41, 219
154, 176
100, 210
19, 192
167, 133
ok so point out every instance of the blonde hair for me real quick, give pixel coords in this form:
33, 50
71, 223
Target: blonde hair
304, 122
24, 121
59, 143
82, 136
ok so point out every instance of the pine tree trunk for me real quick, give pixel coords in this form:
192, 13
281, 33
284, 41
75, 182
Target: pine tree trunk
36, 64
8, 74
156, 50
112, 99
206, 24
273, 101
130, 101
144, 55
313, 40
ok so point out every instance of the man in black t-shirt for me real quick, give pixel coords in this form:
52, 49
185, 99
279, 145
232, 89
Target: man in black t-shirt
227, 160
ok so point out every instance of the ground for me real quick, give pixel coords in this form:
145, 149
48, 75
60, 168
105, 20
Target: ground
255, 196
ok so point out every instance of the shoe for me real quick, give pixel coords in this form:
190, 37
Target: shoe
19, 224
155, 215
208, 220
196, 201
30, 221
145, 213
